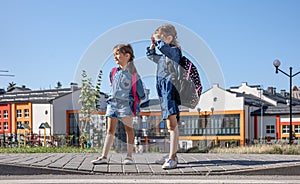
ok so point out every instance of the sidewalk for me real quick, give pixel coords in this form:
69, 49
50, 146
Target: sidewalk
189, 164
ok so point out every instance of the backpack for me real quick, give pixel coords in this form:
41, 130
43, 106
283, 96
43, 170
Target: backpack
188, 84
136, 99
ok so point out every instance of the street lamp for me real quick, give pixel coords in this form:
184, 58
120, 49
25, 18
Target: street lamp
23, 127
45, 126
207, 125
277, 63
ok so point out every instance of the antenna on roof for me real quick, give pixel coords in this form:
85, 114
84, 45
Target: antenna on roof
8, 75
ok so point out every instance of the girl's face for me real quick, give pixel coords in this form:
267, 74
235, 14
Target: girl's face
160, 35
120, 58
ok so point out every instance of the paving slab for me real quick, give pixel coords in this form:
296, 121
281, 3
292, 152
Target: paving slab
144, 163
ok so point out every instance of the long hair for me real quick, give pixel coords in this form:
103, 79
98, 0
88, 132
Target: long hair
169, 30
127, 49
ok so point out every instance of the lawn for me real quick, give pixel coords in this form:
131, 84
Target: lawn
284, 149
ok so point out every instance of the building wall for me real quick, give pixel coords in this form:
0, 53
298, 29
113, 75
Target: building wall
220, 100
41, 113
278, 122
262, 123
247, 89
217, 101
4, 107
285, 120
249, 122
244, 88
22, 119
238, 137
60, 106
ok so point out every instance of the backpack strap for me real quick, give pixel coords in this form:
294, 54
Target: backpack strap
189, 71
136, 99
112, 75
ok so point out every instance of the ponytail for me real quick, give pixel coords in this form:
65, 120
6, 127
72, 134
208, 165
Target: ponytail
131, 67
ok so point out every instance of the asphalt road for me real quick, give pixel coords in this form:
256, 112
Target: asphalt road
132, 179
12, 170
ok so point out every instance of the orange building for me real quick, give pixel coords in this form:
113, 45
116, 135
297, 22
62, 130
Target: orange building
5, 119
22, 115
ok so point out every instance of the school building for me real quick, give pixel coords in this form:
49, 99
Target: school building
35, 113
237, 116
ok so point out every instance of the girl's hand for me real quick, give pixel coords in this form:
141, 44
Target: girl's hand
152, 42
152, 39
156, 36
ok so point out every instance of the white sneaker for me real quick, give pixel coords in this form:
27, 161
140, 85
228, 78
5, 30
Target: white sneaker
170, 164
163, 159
99, 160
128, 161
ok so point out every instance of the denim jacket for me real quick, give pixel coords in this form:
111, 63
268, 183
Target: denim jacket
160, 55
122, 86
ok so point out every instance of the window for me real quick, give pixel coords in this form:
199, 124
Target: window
286, 129
270, 129
0, 114
162, 125
19, 123
74, 124
5, 114
5, 126
144, 125
0, 126
26, 113
26, 122
297, 129
19, 113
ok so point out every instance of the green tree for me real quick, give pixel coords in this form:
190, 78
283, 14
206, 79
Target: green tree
58, 85
89, 98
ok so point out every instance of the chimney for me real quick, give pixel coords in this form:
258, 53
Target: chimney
283, 92
74, 86
272, 90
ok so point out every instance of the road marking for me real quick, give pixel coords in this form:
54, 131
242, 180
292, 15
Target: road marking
156, 181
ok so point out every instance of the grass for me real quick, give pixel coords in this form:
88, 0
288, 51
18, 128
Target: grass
48, 150
283, 149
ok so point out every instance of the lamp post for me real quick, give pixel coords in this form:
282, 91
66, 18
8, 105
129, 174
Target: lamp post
277, 63
207, 124
199, 120
45, 126
21, 127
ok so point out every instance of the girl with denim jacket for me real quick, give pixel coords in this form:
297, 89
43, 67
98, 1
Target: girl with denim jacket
120, 102
166, 53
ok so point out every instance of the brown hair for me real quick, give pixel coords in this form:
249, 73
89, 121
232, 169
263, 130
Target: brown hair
168, 30
127, 49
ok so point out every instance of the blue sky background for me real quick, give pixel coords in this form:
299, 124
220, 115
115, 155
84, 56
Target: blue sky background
41, 42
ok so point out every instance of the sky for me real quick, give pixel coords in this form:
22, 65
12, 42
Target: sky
43, 42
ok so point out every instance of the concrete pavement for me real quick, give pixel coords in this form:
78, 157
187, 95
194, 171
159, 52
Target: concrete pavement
189, 164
